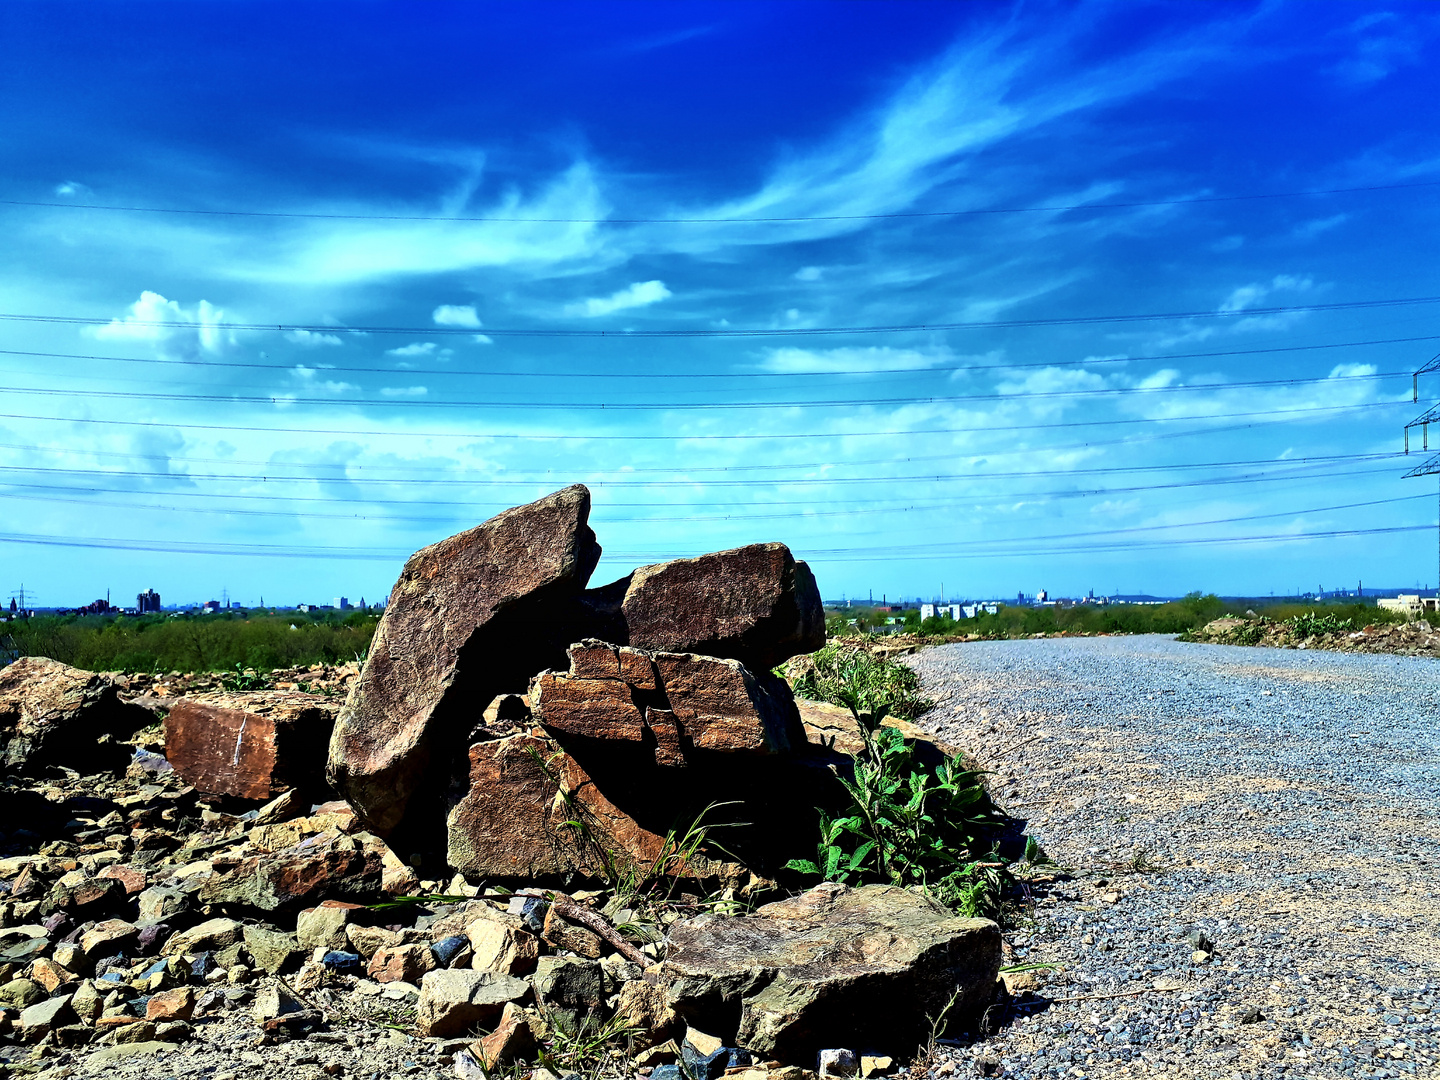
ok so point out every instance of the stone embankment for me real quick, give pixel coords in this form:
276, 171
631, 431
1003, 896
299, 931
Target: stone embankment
525, 823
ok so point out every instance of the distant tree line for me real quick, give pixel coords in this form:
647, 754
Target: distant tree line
192, 642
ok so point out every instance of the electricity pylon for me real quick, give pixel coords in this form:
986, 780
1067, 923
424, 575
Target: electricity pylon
1431, 466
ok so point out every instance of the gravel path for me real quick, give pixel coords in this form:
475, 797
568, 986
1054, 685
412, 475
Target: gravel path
1283, 804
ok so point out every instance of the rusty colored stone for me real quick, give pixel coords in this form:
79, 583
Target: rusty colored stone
514, 1039
401, 963
680, 702
177, 1004
327, 865
754, 604
470, 617
128, 876
251, 745
52, 713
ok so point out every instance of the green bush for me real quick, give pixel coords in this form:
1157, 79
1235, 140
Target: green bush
909, 824
844, 673
1311, 623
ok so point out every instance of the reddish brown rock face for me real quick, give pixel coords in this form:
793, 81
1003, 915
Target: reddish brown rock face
472, 616
251, 745
673, 703
754, 604
50, 712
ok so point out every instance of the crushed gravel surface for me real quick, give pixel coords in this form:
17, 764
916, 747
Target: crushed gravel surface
1245, 841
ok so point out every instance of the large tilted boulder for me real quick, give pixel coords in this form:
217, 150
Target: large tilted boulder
472, 616
835, 966
252, 745
50, 712
755, 604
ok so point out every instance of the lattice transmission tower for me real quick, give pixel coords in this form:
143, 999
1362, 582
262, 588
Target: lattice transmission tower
1430, 466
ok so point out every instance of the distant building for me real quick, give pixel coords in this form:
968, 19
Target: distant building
210, 606
342, 603
1412, 604
147, 601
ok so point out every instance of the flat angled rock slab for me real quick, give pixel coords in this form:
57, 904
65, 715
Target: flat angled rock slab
535, 809
834, 966
250, 745
469, 617
52, 712
676, 703
754, 604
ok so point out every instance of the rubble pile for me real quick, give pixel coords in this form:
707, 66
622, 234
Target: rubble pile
1415, 638
529, 846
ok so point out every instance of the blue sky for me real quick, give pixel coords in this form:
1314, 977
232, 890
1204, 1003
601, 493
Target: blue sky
299, 288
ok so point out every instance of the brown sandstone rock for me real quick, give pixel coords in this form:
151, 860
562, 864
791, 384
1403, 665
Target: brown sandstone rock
51, 713
329, 865
673, 702
401, 963
514, 1039
471, 617
754, 604
834, 966
502, 949
251, 745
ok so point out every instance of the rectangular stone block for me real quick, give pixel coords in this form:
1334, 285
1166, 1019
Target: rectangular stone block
250, 745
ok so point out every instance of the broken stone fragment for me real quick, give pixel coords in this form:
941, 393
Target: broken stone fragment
453, 1000
329, 865
470, 617
568, 990
51, 713
500, 948
514, 1039
401, 963
39, 1020
206, 937
177, 1004
571, 938
754, 604
832, 966
250, 745
324, 927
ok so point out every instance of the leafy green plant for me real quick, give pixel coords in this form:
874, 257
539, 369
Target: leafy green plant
909, 823
846, 673
1311, 623
243, 680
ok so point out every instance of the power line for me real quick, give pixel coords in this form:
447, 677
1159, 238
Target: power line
395, 554
1063, 493
668, 519
693, 406
725, 332
550, 473
1139, 204
487, 482
706, 437
830, 374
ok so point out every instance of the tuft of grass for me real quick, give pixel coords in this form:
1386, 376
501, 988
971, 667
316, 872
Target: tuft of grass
846, 673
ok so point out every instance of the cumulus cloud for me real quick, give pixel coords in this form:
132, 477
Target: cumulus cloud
311, 379
174, 331
419, 348
640, 294
456, 315
311, 339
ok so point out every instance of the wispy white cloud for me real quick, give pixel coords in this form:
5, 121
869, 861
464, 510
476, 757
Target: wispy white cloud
311, 339
456, 315
419, 348
311, 379
403, 391
865, 358
639, 294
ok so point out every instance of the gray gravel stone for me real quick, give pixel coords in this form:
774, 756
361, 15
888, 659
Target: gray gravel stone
1239, 831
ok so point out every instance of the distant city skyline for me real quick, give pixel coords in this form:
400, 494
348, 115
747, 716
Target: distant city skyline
1124, 297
